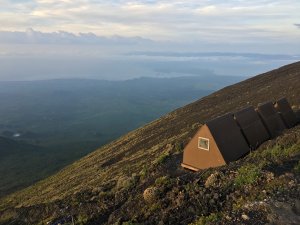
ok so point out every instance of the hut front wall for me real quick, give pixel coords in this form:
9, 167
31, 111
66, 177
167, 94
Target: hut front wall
200, 158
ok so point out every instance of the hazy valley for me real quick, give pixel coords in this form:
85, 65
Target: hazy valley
64, 120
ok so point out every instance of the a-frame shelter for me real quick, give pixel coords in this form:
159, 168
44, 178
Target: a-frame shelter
216, 143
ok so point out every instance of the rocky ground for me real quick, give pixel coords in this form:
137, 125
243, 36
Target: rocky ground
259, 189
262, 188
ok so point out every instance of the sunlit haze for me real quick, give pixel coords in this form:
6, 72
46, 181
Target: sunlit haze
44, 39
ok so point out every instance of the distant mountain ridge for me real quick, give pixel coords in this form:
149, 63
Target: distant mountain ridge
107, 186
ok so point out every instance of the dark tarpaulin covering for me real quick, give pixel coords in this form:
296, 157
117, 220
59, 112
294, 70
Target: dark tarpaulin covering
228, 137
271, 119
252, 126
286, 112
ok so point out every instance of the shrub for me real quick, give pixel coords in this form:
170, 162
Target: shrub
178, 147
162, 158
247, 174
277, 153
129, 223
164, 181
297, 167
204, 220
154, 207
125, 182
144, 172
82, 219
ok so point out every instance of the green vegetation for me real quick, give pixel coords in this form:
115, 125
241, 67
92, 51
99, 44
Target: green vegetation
82, 219
164, 182
247, 174
206, 220
297, 167
161, 181
154, 207
125, 182
178, 147
276, 153
144, 172
129, 223
162, 158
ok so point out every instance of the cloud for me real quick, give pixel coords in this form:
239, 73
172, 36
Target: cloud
297, 25
167, 20
93, 37
31, 36
212, 25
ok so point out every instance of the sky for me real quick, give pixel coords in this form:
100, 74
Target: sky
87, 38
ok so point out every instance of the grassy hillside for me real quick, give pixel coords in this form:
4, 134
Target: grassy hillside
107, 185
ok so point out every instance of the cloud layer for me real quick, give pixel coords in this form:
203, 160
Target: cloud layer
30, 36
207, 20
103, 39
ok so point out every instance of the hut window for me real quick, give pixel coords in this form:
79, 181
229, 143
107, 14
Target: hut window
203, 143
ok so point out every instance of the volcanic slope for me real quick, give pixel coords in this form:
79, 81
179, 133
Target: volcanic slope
107, 185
